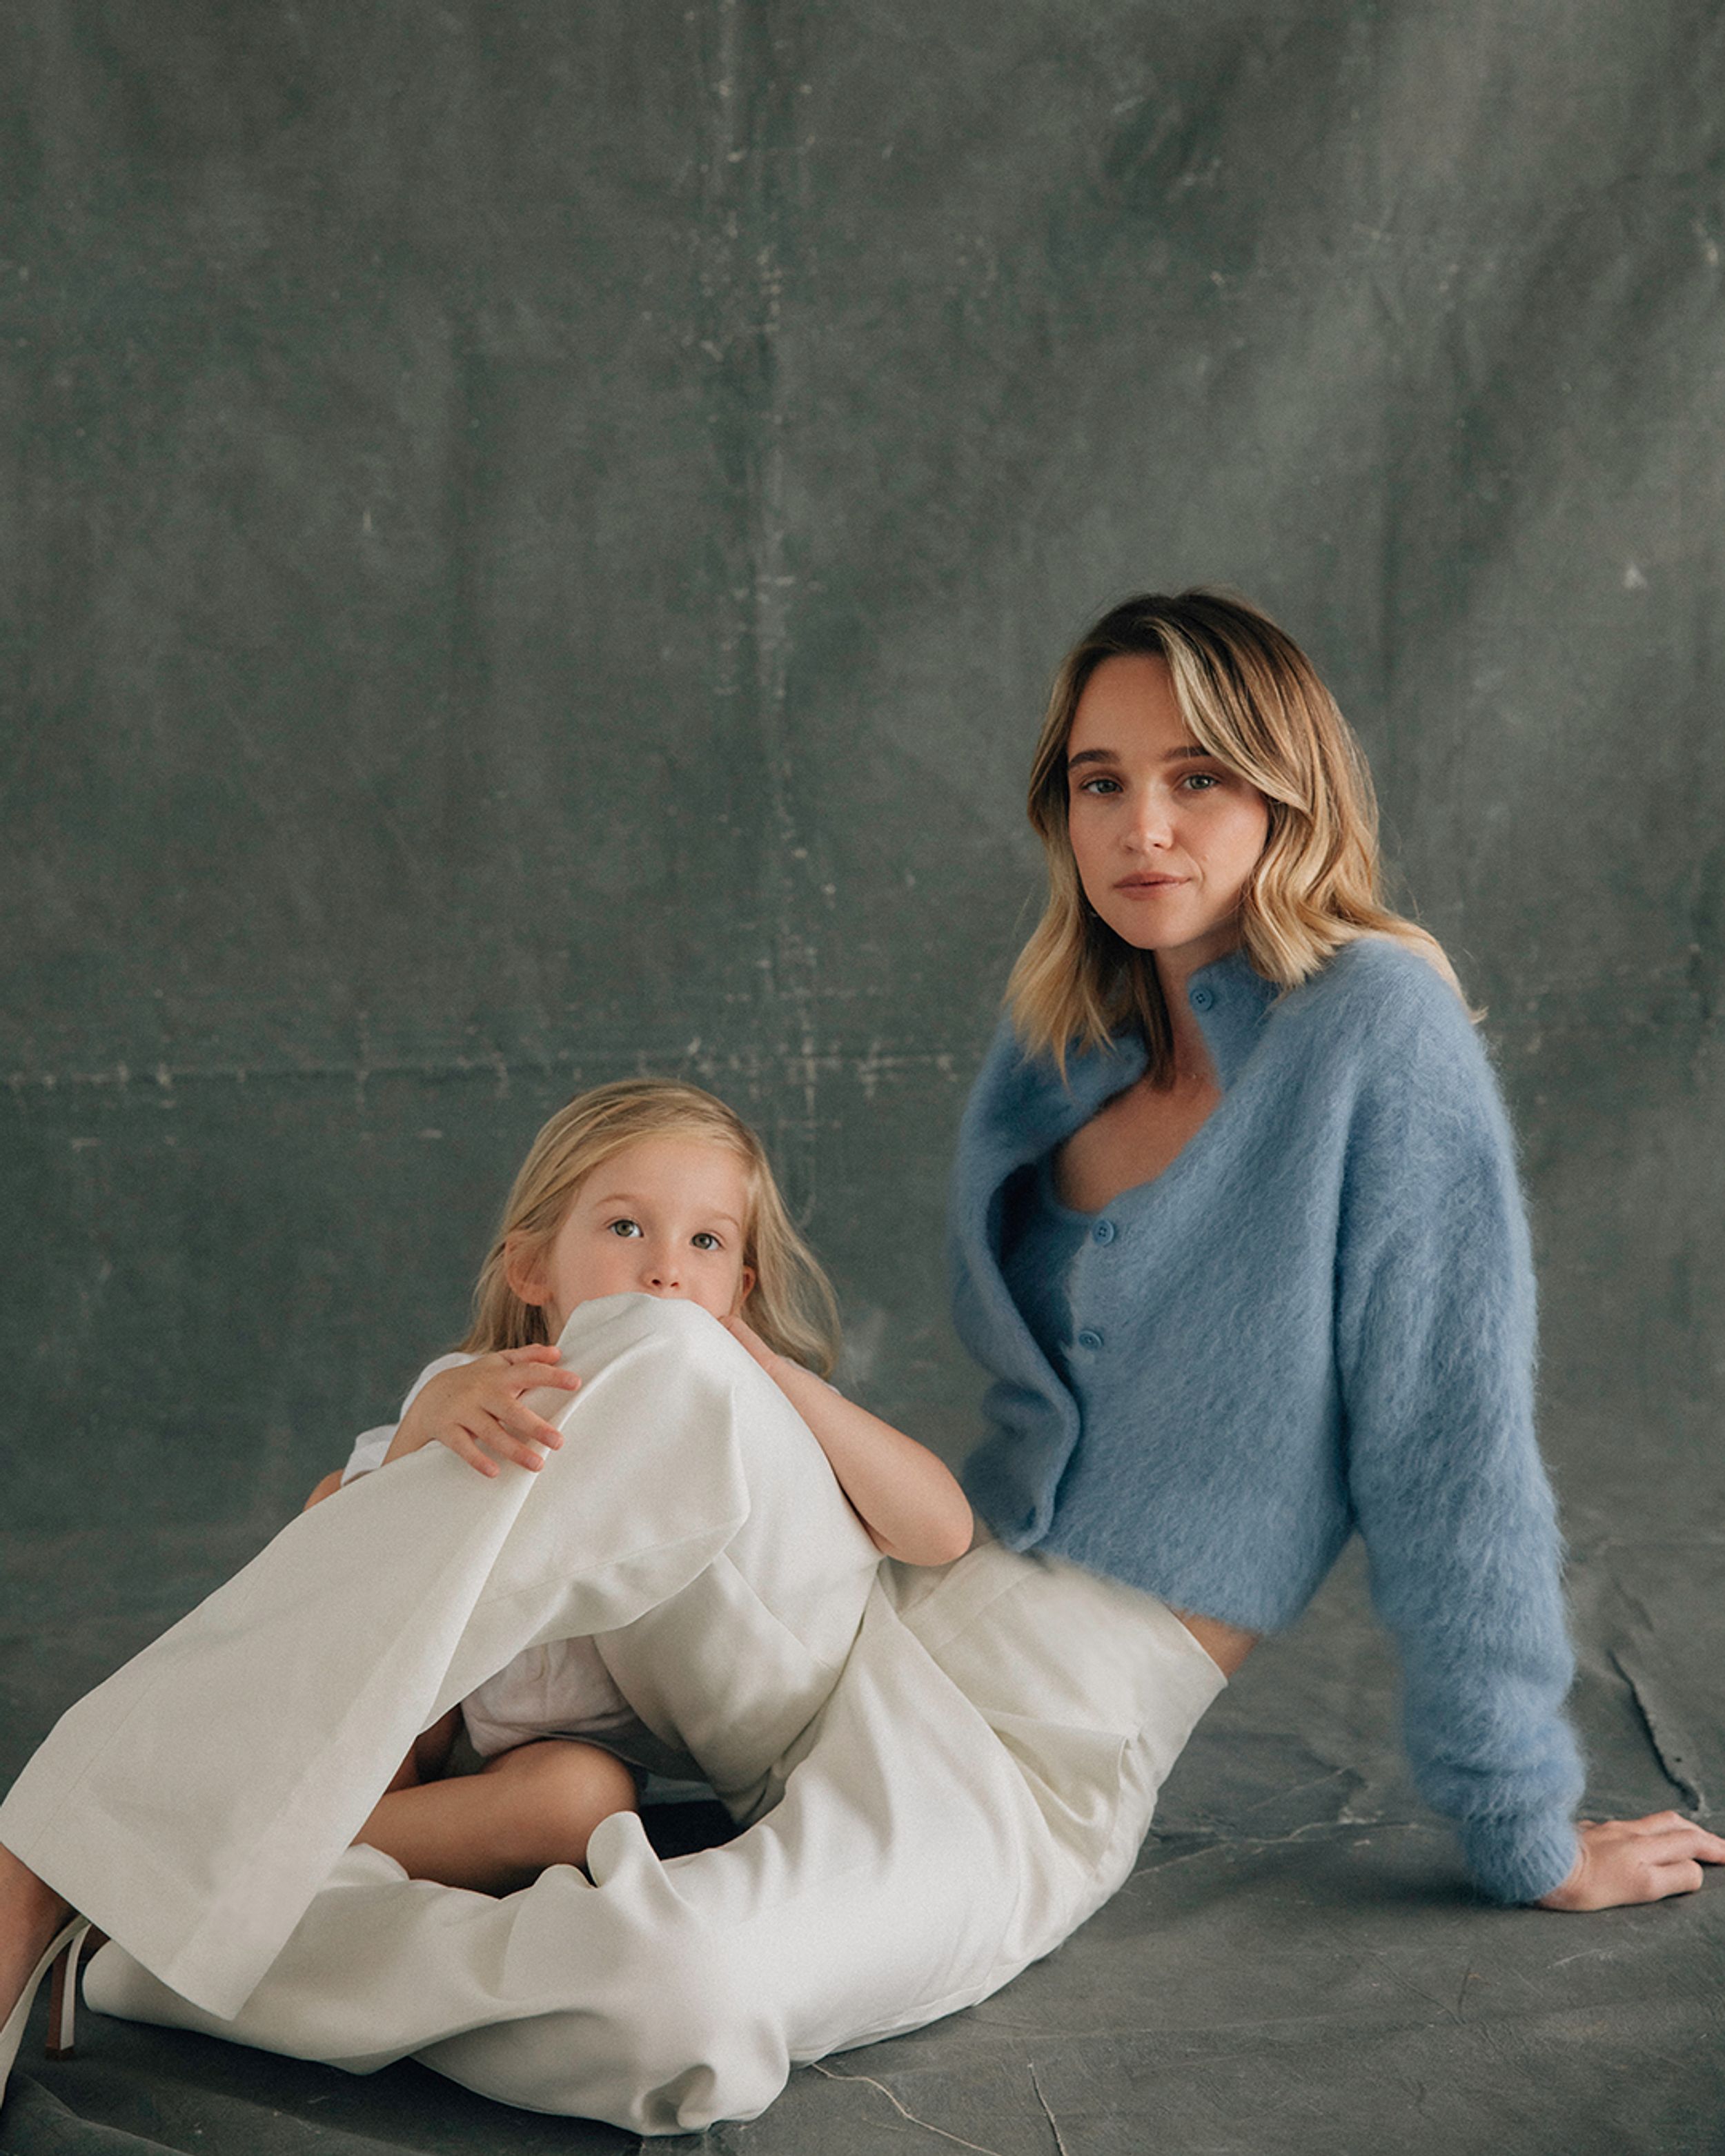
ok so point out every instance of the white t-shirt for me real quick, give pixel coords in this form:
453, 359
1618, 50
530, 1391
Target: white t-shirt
561, 1689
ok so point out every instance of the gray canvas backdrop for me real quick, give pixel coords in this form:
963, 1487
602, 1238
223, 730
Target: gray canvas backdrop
534, 542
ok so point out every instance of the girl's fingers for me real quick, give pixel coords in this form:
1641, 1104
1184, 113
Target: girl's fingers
524, 1368
522, 1423
503, 1442
514, 1413
464, 1447
537, 1374
540, 1360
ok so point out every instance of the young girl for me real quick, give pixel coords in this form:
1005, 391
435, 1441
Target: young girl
642, 1187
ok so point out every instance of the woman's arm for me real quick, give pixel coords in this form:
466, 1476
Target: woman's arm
1435, 1349
909, 1501
1435, 1331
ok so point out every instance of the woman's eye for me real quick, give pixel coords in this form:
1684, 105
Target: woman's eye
1201, 782
707, 1240
625, 1228
1099, 786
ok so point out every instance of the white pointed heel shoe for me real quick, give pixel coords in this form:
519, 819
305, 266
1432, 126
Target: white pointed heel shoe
62, 1958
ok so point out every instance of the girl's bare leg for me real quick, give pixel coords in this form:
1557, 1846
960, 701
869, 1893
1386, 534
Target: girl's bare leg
427, 1757
30, 1914
497, 1830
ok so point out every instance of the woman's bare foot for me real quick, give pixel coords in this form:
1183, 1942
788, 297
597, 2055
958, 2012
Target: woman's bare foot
31, 1913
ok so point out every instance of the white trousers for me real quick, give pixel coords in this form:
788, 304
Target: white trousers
947, 1770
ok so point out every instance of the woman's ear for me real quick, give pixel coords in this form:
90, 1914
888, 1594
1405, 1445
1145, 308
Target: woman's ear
524, 1269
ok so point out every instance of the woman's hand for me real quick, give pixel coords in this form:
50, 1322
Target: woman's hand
478, 1410
1639, 1860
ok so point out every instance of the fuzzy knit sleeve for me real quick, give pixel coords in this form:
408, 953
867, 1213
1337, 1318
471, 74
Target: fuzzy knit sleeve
1435, 1345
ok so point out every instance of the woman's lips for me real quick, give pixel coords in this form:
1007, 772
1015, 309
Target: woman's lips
1137, 885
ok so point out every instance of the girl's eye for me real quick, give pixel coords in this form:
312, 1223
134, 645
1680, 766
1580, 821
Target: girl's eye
625, 1228
707, 1240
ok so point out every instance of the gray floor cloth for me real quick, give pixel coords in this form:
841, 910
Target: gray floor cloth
1297, 1965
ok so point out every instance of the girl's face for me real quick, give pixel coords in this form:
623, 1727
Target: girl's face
1165, 837
665, 1216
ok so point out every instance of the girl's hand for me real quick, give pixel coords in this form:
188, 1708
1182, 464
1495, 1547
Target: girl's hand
1640, 1859
478, 1410
752, 1341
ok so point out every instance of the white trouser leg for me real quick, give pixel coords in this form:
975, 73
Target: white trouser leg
976, 1783
193, 1805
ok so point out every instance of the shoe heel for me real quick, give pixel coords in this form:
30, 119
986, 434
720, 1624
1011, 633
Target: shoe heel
62, 2000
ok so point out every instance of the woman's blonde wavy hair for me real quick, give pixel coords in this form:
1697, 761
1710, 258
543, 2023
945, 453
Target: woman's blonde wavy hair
1254, 701
791, 1305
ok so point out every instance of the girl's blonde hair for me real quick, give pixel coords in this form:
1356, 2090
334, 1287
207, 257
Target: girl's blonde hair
791, 1306
1253, 700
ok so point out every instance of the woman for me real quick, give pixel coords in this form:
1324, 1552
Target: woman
1237, 1234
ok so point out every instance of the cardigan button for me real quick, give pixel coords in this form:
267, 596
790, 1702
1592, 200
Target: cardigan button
1090, 1338
1202, 998
1105, 1231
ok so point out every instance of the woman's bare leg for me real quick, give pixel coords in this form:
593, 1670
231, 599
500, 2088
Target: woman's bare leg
497, 1830
31, 1913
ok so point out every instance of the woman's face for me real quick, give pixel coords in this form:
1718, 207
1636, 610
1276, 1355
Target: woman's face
665, 1216
1165, 837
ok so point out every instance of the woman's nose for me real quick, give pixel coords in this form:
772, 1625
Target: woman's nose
1151, 824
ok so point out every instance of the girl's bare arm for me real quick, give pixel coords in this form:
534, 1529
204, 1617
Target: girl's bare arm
909, 1501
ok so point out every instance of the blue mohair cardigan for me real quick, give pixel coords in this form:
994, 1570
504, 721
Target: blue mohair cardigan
1320, 1316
